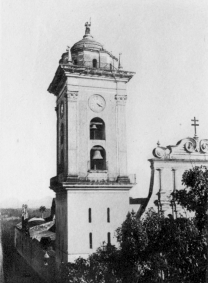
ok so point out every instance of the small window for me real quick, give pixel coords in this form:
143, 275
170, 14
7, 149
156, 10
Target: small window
75, 62
109, 238
90, 215
108, 215
90, 239
94, 63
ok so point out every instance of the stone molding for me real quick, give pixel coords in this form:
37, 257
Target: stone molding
121, 99
72, 95
188, 148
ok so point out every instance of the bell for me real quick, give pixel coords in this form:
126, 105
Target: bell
97, 155
94, 127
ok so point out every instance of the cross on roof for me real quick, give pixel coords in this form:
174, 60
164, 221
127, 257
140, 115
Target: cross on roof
195, 125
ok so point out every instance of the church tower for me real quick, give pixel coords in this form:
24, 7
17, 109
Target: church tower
92, 182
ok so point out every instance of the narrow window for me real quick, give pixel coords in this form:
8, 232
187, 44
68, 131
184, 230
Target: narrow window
109, 238
108, 215
90, 215
90, 238
94, 63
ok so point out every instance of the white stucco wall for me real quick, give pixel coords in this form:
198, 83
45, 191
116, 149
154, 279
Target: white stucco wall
79, 227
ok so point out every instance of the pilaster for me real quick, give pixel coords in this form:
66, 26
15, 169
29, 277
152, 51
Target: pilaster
72, 129
121, 135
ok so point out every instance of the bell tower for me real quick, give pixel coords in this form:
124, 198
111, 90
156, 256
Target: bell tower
92, 182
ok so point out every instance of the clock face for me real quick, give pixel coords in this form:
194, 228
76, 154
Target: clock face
97, 103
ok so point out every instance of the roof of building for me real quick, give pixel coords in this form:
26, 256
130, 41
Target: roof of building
87, 41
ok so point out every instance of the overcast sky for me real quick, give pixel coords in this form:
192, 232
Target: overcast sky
164, 42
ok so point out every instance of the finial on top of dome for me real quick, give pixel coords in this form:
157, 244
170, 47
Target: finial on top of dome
87, 29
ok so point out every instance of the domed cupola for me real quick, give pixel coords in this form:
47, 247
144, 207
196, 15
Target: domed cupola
87, 42
90, 53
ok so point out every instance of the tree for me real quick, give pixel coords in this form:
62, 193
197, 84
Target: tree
42, 209
133, 240
194, 197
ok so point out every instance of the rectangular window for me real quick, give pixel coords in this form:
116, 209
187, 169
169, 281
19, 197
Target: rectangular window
108, 215
109, 238
90, 239
90, 215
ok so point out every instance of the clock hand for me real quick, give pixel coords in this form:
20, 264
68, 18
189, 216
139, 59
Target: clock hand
99, 105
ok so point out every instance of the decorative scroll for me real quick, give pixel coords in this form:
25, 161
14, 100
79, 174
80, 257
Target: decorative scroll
204, 146
186, 148
161, 152
190, 147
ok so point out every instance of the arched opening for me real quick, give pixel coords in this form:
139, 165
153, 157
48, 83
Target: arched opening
94, 63
97, 129
97, 158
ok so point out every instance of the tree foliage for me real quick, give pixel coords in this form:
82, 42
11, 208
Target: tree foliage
194, 197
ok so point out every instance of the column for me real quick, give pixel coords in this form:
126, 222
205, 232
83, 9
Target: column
166, 190
121, 137
173, 203
72, 131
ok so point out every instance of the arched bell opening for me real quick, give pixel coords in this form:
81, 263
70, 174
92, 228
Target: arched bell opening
97, 129
94, 63
97, 158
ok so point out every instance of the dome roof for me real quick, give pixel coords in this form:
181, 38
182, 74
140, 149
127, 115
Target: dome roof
87, 42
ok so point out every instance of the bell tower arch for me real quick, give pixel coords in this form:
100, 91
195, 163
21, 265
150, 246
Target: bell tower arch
92, 180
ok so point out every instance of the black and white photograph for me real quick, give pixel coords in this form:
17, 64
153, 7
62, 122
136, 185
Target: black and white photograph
104, 141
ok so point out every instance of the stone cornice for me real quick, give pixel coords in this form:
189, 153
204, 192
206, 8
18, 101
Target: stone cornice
96, 188
99, 72
65, 70
58, 81
178, 160
62, 184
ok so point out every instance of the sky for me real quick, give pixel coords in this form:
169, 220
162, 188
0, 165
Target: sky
164, 42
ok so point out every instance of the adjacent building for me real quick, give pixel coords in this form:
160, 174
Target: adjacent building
167, 167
